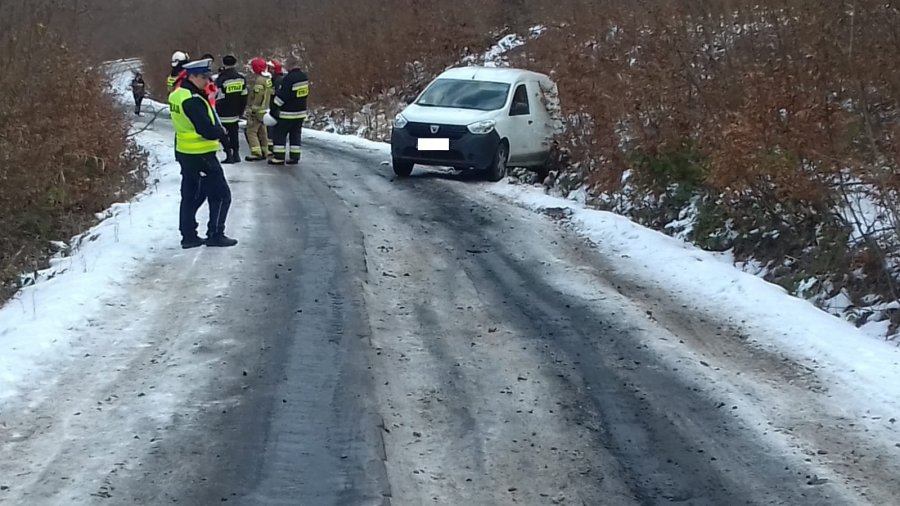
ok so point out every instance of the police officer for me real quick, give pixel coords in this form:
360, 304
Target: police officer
289, 112
258, 100
231, 102
197, 136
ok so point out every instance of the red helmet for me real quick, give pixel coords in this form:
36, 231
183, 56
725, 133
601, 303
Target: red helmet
279, 68
258, 65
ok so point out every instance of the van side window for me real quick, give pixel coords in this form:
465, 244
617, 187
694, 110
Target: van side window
520, 102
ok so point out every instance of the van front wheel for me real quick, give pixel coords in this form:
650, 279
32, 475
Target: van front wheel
402, 168
498, 168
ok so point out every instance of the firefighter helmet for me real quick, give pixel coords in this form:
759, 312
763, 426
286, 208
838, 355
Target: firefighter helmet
258, 65
179, 57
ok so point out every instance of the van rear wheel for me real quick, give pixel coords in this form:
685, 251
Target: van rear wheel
550, 163
402, 168
498, 168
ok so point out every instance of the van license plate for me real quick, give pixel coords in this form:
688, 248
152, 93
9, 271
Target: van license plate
434, 144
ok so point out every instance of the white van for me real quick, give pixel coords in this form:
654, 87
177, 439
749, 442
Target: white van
478, 117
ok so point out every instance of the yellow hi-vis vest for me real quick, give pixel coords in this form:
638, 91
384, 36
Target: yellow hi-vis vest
187, 140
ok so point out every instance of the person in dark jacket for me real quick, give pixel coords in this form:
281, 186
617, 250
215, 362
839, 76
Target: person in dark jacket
138, 90
230, 105
197, 136
277, 69
289, 112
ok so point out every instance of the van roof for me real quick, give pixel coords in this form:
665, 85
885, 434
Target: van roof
496, 74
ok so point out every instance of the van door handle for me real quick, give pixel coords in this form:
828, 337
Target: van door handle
531, 122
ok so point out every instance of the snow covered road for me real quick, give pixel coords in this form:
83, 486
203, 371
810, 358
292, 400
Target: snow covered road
421, 341
516, 357
214, 372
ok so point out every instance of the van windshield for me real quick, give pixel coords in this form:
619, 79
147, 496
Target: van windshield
465, 94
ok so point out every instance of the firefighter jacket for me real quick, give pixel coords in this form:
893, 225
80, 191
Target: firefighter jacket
290, 100
232, 95
175, 77
276, 83
259, 95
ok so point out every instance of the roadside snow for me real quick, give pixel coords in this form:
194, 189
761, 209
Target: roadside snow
35, 326
38, 320
864, 369
496, 55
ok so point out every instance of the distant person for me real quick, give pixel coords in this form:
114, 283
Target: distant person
289, 112
197, 136
230, 105
138, 90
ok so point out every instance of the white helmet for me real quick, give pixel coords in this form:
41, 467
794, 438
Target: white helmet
179, 57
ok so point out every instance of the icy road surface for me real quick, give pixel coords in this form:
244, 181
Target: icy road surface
420, 341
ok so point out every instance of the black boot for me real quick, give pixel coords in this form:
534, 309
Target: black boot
220, 241
191, 242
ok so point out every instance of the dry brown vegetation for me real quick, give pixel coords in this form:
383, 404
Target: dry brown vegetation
772, 118
64, 155
355, 49
767, 117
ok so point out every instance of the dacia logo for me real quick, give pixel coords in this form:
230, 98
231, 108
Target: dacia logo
435, 128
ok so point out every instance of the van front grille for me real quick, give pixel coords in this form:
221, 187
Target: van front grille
424, 131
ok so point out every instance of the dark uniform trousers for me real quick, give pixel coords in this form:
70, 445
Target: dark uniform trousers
202, 178
284, 129
232, 147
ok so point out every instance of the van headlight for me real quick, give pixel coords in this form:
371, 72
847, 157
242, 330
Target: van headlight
400, 122
482, 127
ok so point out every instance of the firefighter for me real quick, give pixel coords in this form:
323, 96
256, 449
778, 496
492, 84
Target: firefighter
197, 136
277, 70
258, 101
138, 90
288, 113
231, 103
179, 58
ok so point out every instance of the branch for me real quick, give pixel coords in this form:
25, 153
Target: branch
145, 127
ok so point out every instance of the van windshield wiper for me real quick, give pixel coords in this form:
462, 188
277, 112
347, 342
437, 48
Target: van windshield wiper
468, 108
